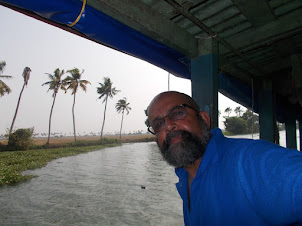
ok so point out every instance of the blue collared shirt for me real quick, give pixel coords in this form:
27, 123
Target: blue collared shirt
243, 182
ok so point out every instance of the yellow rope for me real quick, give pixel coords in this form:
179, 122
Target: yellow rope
79, 17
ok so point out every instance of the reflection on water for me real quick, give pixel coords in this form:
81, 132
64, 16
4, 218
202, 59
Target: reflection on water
105, 187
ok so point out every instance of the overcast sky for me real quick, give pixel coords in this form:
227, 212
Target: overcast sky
25, 41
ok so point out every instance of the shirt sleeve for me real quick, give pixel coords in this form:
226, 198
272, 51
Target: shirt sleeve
271, 177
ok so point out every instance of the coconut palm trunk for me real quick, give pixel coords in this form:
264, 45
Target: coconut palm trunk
50, 116
104, 117
17, 108
74, 128
122, 125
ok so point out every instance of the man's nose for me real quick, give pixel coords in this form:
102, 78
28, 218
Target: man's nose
169, 124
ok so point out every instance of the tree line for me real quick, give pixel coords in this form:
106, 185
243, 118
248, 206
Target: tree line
73, 82
246, 123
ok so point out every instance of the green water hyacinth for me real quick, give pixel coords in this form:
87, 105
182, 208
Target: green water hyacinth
13, 163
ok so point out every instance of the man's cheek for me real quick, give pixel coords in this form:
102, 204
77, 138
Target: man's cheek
156, 140
159, 141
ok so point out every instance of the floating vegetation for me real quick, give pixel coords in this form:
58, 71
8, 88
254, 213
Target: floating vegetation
13, 163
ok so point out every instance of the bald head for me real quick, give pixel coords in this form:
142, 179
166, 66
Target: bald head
171, 96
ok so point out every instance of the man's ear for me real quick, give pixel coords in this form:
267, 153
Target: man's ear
206, 118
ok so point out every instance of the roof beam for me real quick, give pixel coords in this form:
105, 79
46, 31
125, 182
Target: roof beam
213, 35
258, 12
136, 15
284, 26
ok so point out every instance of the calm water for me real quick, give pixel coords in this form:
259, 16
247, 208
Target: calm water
97, 188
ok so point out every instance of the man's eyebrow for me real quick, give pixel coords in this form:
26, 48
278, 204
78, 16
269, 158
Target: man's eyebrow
169, 111
172, 109
158, 118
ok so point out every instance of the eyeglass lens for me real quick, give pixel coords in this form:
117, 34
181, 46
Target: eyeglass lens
177, 113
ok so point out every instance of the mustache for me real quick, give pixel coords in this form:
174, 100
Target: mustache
175, 133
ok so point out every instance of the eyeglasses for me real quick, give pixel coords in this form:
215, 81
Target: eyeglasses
176, 113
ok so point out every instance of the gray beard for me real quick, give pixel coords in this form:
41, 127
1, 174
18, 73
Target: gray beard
187, 151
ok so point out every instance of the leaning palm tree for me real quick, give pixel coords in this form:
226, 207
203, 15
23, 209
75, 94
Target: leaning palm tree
121, 106
73, 82
3, 87
55, 83
106, 90
26, 75
2, 66
238, 111
228, 110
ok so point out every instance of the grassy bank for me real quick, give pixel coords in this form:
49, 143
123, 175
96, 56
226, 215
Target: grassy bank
13, 163
65, 140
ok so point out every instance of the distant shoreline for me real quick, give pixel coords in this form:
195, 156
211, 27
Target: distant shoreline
62, 140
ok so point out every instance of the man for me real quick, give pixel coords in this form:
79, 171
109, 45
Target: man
225, 181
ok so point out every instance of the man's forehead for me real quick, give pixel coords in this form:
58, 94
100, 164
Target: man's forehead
170, 96
166, 101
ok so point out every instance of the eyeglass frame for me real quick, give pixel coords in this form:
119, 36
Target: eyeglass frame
170, 111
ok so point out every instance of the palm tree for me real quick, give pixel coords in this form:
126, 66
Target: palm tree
106, 90
3, 87
2, 66
238, 110
55, 83
121, 106
228, 110
73, 82
26, 75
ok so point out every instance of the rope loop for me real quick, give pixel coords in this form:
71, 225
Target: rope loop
79, 16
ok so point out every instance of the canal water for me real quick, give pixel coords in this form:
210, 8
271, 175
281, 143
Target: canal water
125, 185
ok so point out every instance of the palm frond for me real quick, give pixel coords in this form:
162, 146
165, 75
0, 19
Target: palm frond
106, 89
5, 76
122, 106
2, 66
26, 74
74, 81
4, 88
55, 81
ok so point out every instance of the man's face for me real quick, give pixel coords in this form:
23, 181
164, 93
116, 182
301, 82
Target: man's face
183, 141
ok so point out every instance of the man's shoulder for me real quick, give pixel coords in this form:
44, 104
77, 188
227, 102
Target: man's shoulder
225, 146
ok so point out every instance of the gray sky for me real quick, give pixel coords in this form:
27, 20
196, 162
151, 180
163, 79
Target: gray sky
28, 42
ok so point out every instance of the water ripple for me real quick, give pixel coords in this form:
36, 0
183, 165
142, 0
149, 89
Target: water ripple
126, 185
